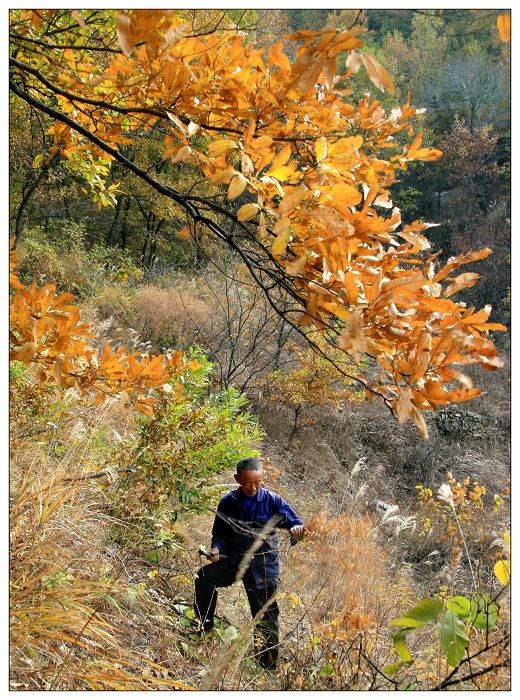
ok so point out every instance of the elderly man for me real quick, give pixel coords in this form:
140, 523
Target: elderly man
245, 546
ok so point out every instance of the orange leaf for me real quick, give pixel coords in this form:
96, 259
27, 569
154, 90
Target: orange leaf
467, 279
402, 405
125, 34
247, 211
281, 158
345, 195
184, 234
426, 154
145, 408
223, 176
354, 61
321, 148
280, 242
24, 354
278, 58
504, 27
221, 146
414, 145
183, 153
296, 267
352, 338
281, 173
419, 421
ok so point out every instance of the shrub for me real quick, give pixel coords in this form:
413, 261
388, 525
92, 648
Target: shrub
63, 257
116, 302
188, 440
170, 317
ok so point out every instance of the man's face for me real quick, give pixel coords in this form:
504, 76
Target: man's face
250, 481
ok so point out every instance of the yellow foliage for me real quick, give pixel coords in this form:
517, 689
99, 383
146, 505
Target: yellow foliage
504, 27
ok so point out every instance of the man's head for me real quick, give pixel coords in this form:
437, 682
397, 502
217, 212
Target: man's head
249, 476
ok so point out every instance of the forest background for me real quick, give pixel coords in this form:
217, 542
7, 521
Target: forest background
108, 504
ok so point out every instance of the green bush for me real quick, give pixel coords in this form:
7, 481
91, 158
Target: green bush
60, 254
192, 436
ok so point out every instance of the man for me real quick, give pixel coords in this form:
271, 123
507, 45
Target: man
245, 545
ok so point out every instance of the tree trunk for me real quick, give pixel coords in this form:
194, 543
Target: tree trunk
124, 230
294, 430
472, 119
116, 221
27, 195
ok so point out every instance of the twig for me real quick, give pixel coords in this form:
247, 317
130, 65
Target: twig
468, 659
471, 676
378, 670
97, 475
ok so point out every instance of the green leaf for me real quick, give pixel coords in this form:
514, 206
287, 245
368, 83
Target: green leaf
426, 611
454, 638
484, 613
391, 669
131, 597
327, 671
502, 570
230, 633
459, 605
400, 644
180, 608
59, 450
155, 556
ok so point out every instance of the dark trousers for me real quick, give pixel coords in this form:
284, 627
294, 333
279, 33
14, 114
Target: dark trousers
221, 574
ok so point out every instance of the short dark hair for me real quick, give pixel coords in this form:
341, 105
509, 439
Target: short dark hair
250, 464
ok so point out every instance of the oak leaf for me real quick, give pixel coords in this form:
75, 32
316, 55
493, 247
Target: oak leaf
377, 74
221, 146
352, 338
236, 186
281, 241
467, 279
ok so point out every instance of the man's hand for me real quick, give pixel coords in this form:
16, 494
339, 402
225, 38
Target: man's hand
214, 555
296, 532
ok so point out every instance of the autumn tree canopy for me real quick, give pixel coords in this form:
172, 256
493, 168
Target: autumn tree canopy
291, 175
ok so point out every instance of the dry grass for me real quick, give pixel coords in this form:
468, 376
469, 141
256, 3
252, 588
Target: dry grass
173, 317
75, 603
87, 613
336, 599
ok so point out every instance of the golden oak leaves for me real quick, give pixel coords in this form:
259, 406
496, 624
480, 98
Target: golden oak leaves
152, 28
317, 173
352, 338
45, 329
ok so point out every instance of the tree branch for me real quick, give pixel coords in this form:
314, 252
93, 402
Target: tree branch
255, 266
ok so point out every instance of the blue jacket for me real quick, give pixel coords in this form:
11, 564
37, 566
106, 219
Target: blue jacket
236, 526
